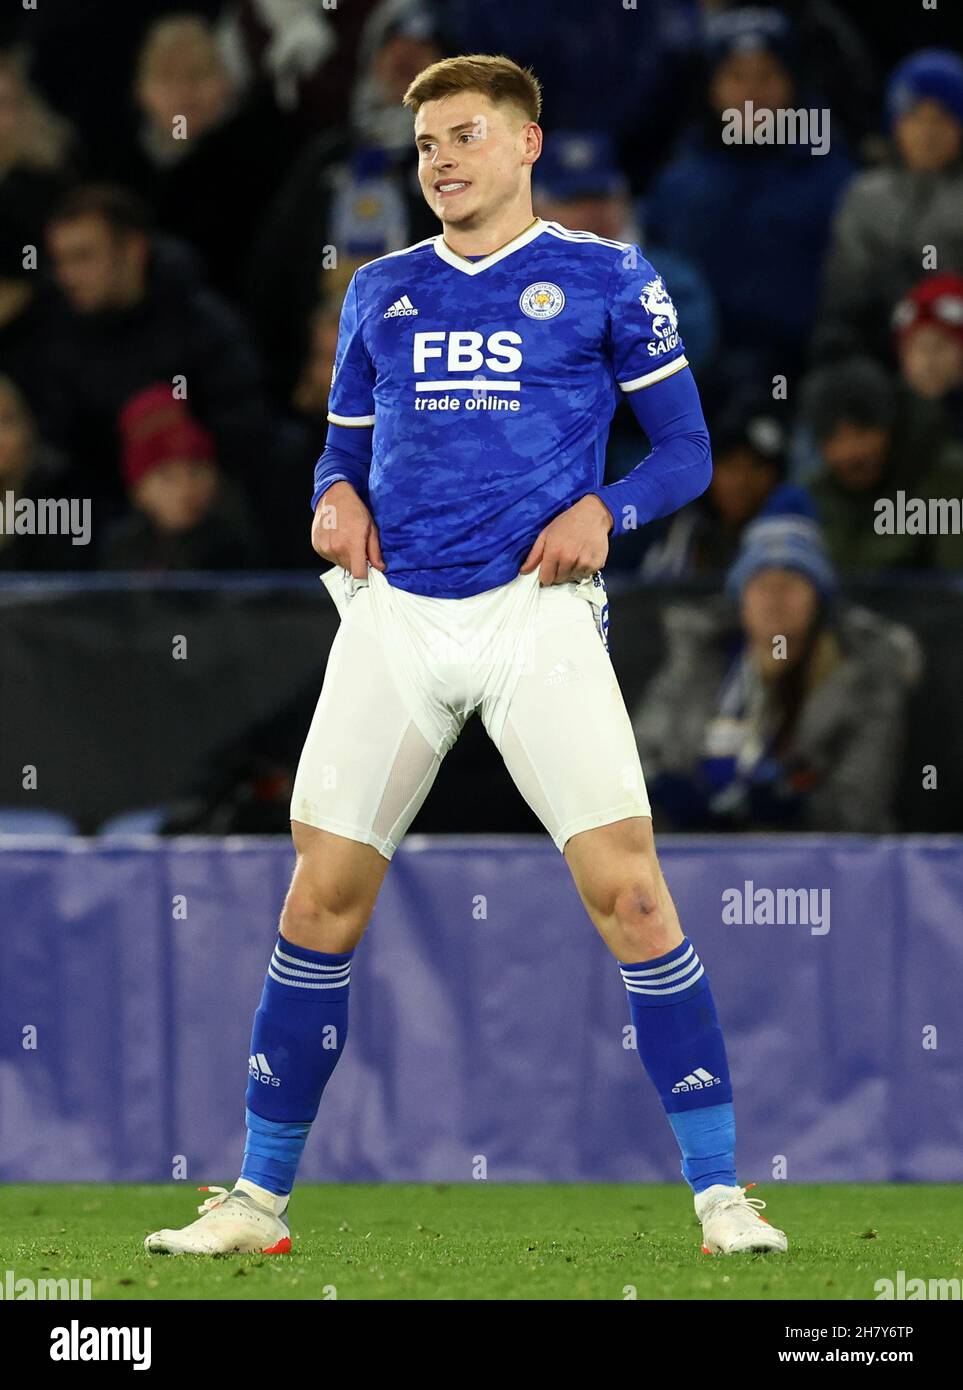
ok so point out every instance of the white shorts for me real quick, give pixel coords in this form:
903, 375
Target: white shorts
406, 671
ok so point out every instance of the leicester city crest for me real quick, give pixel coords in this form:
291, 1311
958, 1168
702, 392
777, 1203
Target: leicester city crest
543, 300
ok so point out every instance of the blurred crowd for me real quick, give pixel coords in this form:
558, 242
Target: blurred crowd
186, 189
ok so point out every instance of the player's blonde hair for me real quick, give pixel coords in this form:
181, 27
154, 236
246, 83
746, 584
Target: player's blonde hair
497, 78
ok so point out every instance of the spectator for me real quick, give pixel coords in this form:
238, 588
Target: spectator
753, 217
842, 66
82, 58
929, 332
775, 717
298, 439
874, 442
35, 145
353, 195
307, 50
136, 313
310, 397
748, 480
204, 158
889, 217
28, 471
187, 515
625, 69
22, 316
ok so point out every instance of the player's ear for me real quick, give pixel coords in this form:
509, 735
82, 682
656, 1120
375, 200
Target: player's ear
531, 142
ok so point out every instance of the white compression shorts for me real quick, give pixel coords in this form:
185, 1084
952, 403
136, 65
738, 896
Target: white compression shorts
406, 671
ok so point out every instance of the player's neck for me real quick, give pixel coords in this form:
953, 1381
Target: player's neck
484, 238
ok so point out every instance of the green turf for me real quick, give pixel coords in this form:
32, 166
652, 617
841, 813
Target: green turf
483, 1241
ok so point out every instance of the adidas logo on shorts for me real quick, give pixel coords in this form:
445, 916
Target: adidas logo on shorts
401, 309
562, 672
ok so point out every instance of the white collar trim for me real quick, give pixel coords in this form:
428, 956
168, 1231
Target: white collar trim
457, 262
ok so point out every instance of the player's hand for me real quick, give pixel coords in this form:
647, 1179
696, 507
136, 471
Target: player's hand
344, 532
574, 545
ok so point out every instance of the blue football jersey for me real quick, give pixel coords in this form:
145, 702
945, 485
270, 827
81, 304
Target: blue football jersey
490, 384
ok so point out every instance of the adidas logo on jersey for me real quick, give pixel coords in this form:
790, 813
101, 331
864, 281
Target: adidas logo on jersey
697, 1080
401, 309
257, 1066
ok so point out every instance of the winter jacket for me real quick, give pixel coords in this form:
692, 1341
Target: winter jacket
840, 769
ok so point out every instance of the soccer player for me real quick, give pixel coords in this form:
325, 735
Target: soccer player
460, 499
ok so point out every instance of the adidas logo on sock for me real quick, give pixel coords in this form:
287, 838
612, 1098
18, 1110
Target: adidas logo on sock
401, 309
697, 1080
257, 1067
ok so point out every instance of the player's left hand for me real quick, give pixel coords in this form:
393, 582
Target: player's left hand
574, 545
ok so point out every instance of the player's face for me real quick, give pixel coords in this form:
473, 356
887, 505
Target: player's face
472, 156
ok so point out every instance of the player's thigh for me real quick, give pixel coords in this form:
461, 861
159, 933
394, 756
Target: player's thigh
366, 766
567, 739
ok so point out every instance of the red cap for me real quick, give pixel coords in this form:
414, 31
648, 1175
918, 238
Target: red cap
937, 301
156, 428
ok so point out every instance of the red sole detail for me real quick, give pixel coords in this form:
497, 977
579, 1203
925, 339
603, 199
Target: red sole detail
283, 1247
706, 1250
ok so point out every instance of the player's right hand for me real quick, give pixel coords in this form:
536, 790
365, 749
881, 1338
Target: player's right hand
344, 531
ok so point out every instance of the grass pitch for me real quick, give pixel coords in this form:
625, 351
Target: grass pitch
483, 1241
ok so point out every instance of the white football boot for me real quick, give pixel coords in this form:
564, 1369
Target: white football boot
731, 1222
230, 1223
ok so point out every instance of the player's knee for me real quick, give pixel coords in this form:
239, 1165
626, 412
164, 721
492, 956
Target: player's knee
639, 919
321, 918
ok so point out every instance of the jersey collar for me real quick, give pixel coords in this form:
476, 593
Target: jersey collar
457, 262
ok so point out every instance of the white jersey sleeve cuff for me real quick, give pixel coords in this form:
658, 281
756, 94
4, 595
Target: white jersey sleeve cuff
651, 378
350, 420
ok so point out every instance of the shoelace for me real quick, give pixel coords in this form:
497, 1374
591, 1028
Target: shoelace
756, 1203
222, 1195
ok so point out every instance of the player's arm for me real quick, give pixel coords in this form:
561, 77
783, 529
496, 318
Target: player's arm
678, 467
343, 530
647, 360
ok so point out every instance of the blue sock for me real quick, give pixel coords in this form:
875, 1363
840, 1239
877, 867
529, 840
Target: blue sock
299, 1033
680, 1042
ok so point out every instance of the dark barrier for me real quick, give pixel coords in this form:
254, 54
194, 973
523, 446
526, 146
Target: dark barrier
487, 1019
92, 695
